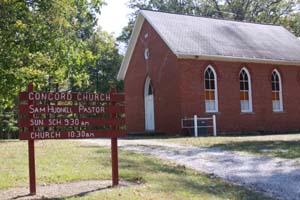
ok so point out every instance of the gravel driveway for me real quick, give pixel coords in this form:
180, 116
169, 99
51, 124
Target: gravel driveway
279, 178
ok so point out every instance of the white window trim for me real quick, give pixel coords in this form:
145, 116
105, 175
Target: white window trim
280, 92
146, 54
216, 90
249, 91
146, 86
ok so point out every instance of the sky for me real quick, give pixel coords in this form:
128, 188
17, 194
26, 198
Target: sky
114, 16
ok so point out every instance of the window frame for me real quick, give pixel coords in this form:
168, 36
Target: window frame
147, 83
215, 90
249, 90
280, 91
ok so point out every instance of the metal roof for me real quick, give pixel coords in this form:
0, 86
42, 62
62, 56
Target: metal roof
191, 35
207, 38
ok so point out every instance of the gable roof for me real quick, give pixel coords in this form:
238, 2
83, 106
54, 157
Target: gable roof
217, 39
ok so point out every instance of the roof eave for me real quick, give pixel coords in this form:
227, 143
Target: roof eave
132, 42
131, 45
238, 59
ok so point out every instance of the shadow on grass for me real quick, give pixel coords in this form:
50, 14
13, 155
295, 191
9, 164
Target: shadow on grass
282, 149
178, 179
144, 136
167, 178
220, 189
163, 177
79, 195
23, 196
9, 140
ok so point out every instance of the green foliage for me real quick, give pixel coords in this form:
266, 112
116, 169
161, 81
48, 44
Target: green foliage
53, 44
65, 161
281, 146
292, 22
41, 39
103, 71
8, 125
283, 12
280, 149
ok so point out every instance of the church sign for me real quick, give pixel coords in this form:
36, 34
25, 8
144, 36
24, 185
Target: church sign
70, 115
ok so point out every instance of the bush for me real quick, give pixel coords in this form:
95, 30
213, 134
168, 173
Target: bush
9, 125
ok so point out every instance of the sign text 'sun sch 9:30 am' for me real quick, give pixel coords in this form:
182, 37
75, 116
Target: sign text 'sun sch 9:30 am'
59, 122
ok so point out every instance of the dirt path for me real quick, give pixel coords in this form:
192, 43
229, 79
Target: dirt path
65, 190
279, 178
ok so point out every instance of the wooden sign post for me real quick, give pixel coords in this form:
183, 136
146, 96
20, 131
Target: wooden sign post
69, 115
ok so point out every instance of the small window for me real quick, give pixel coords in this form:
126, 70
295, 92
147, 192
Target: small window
211, 96
245, 91
276, 92
146, 54
146, 35
150, 88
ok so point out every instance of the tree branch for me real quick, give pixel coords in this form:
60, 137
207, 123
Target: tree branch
217, 7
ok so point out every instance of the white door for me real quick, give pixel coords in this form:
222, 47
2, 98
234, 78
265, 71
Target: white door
149, 106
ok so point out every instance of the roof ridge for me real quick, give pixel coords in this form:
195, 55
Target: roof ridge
221, 19
217, 41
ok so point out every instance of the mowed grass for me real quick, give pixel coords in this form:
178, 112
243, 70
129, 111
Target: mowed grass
282, 146
65, 161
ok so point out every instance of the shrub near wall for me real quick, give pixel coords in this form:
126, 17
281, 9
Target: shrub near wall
9, 125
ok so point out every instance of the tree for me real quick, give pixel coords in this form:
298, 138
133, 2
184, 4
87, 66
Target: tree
53, 44
103, 72
283, 12
174, 6
292, 21
41, 39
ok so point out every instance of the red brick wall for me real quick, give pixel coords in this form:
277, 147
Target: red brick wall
162, 69
229, 118
179, 91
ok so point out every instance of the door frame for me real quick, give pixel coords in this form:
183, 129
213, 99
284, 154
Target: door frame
146, 91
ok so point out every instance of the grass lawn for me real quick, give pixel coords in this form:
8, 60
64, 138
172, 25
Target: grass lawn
282, 146
65, 161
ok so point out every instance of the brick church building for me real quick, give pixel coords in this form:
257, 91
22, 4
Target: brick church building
176, 66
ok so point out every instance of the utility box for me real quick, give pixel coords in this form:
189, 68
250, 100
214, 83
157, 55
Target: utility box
196, 126
202, 128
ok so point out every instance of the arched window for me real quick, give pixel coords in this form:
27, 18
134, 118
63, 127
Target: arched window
150, 88
276, 92
245, 91
211, 92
